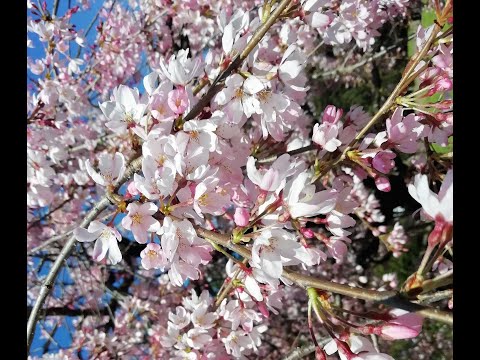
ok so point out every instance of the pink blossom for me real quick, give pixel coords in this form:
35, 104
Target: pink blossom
403, 132
404, 325
434, 206
178, 101
124, 110
276, 247
325, 135
302, 200
181, 69
238, 96
272, 179
397, 239
332, 114
241, 216
106, 237
240, 316
140, 220
382, 183
153, 257
110, 168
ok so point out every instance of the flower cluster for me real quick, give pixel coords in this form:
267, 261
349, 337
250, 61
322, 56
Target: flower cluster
219, 150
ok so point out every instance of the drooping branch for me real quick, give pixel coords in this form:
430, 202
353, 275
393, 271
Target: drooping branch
389, 298
409, 75
49, 282
218, 83
65, 311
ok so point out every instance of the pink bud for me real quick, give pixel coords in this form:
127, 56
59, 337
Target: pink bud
241, 216
263, 309
397, 332
406, 318
383, 184
383, 161
332, 114
308, 233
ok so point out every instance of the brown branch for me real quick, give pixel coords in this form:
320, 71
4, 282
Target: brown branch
437, 296
218, 83
65, 311
57, 265
301, 352
301, 150
408, 77
389, 298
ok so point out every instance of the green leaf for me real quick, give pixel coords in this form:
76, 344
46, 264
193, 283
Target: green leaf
444, 149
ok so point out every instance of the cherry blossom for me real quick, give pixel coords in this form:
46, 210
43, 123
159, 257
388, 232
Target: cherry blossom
274, 248
140, 220
124, 109
110, 169
106, 241
437, 207
248, 205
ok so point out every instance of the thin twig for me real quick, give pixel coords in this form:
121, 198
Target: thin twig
348, 69
55, 7
408, 76
49, 282
301, 352
389, 298
218, 83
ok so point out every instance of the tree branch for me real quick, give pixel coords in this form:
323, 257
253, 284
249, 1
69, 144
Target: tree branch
389, 298
57, 265
218, 83
408, 77
65, 311
303, 351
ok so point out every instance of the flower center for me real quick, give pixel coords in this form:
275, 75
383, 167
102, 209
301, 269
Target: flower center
238, 93
129, 117
264, 95
161, 160
194, 135
202, 200
136, 218
152, 253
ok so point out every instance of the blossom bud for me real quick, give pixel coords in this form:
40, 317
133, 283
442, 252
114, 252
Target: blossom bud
332, 114
397, 332
308, 233
131, 190
383, 161
383, 184
241, 216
